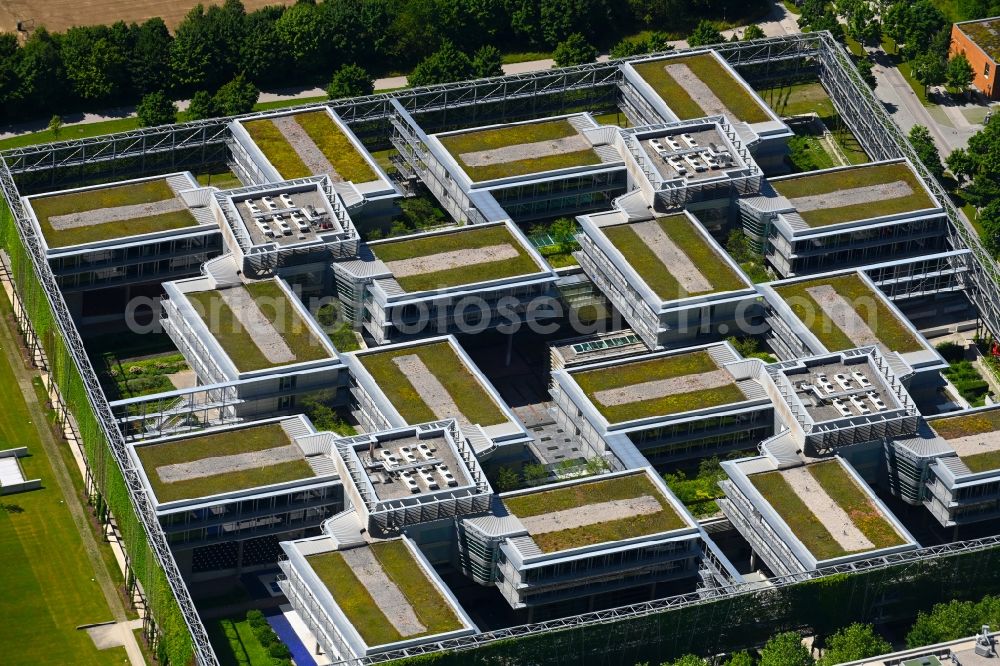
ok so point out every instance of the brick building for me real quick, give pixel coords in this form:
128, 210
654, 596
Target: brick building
980, 42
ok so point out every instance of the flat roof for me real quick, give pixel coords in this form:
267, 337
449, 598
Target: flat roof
691, 154
257, 326
304, 215
385, 592
591, 512
115, 211
855, 193
974, 437
519, 149
827, 510
429, 382
409, 466
309, 143
673, 257
645, 387
222, 462
700, 85
838, 390
985, 34
464, 256
844, 313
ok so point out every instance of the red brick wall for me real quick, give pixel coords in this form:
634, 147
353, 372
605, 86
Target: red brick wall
961, 44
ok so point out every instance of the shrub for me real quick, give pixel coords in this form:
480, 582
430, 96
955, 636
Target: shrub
951, 351
279, 650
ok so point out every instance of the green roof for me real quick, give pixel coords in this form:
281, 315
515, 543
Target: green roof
113, 196
830, 182
729, 90
631, 373
588, 493
474, 141
441, 360
985, 35
431, 608
658, 274
201, 447
465, 238
844, 492
869, 305
978, 423
240, 344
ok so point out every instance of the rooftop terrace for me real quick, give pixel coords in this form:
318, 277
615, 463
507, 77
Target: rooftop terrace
855, 193
671, 384
464, 256
843, 312
408, 466
835, 390
309, 143
985, 34
974, 437
699, 85
430, 382
673, 257
257, 326
384, 592
286, 219
516, 150
695, 155
591, 512
105, 213
827, 510
222, 462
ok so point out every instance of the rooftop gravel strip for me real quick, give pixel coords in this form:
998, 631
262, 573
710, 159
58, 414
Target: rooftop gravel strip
441, 360
632, 373
870, 306
282, 156
873, 176
467, 238
431, 608
591, 493
240, 344
191, 449
845, 491
474, 142
730, 91
662, 275
986, 35
970, 425
112, 197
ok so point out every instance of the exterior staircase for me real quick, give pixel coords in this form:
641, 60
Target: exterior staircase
179, 183
345, 529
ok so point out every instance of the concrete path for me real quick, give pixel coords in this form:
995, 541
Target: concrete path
844, 316
830, 514
265, 336
389, 599
678, 264
659, 388
429, 388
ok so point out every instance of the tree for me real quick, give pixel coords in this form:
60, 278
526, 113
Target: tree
445, 65
575, 50
487, 61
96, 63
156, 109
534, 472
350, 81
686, 660
149, 61
304, 35
989, 221
507, 479
929, 69
202, 106
861, 23
920, 139
739, 659
961, 164
785, 650
959, 73
262, 54
753, 31
626, 48
236, 97
196, 58
55, 126
854, 642
945, 622
42, 79
704, 34
865, 66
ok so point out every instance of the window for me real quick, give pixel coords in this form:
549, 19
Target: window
986, 70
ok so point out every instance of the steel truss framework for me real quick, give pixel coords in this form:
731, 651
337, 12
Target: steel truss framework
858, 106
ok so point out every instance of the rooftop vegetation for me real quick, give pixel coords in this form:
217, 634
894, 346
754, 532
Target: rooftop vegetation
190, 449
514, 135
442, 361
663, 367
727, 88
276, 149
108, 197
657, 274
238, 343
463, 239
978, 423
845, 179
595, 492
844, 490
986, 35
871, 307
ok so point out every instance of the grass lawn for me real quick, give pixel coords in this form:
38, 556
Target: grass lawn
845, 491
238, 343
594, 492
799, 99
338, 149
190, 449
515, 135
808, 153
131, 379
868, 176
664, 367
728, 89
970, 424
657, 275
906, 69
869, 306
442, 361
70, 132
462, 239
285, 103
614, 118
224, 179
525, 56
108, 197
797, 515
357, 604
243, 650
276, 149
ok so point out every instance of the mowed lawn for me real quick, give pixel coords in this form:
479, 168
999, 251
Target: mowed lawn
49, 587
